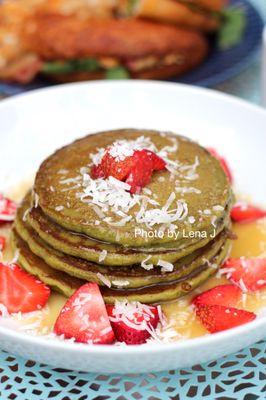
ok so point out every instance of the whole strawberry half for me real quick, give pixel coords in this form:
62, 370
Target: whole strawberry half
8, 209
247, 272
223, 163
136, 170
243, 212
84, 317
2, 243
132, 322
217, 318
223, 295
20, 291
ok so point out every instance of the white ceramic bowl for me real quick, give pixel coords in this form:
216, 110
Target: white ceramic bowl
34, 124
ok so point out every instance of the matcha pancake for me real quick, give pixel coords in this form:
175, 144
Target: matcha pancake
82, 246
57, 280
188, 196
165, 292
133, 276
157, 293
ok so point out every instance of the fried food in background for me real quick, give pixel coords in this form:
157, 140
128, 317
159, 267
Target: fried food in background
92, 39
12, 48
17, 62
197, 14
74, 49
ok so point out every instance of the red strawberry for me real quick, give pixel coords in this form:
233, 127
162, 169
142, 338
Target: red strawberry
243, 212
136, 170
140, 174
223, 162
2, 243
132, 322
111, 167
7, 209
249, 273
158, 163
222, 295
217, 318
20, 291
84, 317
97, 171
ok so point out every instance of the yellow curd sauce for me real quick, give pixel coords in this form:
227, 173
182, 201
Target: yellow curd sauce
181, 322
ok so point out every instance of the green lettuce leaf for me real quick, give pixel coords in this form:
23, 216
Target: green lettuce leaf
233, 28
117, 73
66, 67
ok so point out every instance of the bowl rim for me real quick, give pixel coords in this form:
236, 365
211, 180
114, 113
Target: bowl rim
186, 344
172, 86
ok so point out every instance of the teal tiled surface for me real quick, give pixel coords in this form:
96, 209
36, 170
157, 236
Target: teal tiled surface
241, 376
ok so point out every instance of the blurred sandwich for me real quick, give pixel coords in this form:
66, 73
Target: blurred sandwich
203, 15
69, 40
17, 63
70, 49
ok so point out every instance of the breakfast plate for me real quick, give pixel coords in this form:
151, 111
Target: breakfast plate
35, 124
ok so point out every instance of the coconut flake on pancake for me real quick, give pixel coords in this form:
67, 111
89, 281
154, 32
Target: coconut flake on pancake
113, 194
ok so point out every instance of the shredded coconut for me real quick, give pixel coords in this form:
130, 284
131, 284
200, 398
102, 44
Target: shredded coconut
104, 279
102, 255
122, 149
3, 311
145, 265
59, 208
36, 200
120, 283
166, 266
218, 208
110, 194
129, 313
26, 213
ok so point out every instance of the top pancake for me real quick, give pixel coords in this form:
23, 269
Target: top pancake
196, 181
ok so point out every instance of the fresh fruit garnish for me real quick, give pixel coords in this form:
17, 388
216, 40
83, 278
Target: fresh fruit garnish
8, 209
2, 243
248, 273
84, 317
243, 212
223, 162
133, 322
20, 291
136, 169
222, 295
217, 318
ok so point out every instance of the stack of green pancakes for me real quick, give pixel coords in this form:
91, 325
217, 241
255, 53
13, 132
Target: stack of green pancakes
151, 247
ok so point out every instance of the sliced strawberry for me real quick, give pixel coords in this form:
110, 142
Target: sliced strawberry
243, 212
8, 209
223, 162
133, 322
140, 174
158, 163
97, 171
136, 170
217, 318
111, 167
20, 291
2, 243
84, 317
247, 273
222, 295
